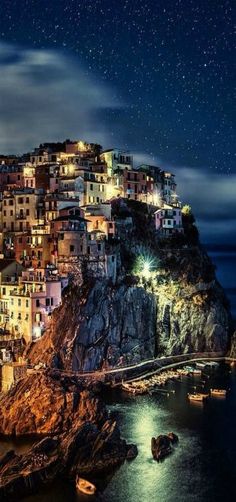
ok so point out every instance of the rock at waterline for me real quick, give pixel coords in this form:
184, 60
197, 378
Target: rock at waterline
162, 446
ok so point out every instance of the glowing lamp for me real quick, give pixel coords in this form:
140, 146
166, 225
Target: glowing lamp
146, 268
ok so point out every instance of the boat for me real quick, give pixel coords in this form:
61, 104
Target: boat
196, 371
85, 486
218, 392
200, 366
212, 365
197, 397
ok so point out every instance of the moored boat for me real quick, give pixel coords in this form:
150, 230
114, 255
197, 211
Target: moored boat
196, 371
197, 397
200, 365
85, 486
218, 392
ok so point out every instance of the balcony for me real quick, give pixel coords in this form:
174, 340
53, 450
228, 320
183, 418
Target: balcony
21, 216
41, 292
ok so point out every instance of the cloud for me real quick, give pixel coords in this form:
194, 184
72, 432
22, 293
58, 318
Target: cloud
212, 197
46, 96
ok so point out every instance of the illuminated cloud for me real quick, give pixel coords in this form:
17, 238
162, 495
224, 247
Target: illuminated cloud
46, 96
212, 197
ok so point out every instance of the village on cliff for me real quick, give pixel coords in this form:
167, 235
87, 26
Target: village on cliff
57, 210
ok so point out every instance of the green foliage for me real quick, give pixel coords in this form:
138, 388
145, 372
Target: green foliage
186, 210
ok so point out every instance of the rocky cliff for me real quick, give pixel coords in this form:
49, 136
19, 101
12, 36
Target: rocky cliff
79, 439
177, 307
48, 402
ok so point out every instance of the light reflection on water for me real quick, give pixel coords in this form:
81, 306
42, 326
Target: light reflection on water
196, 471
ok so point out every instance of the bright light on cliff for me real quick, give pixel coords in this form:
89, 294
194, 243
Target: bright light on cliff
146, 269
145, 266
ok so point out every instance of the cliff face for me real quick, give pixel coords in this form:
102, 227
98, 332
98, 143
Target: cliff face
79, 439
180, 309
48, 403
177, 306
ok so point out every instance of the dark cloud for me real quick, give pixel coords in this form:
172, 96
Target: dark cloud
213, 200
46, 95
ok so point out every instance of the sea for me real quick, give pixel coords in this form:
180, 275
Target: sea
202, 467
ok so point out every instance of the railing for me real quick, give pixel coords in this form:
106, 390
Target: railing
21, 216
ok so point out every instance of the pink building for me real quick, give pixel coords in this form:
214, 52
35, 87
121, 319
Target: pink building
168, 220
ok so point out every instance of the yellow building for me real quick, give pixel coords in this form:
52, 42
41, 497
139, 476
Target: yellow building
19, 210
11, 373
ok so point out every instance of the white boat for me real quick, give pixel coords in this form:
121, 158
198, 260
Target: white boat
218, 392
85, 486
196, 371
212, 365
200, 366
197, 397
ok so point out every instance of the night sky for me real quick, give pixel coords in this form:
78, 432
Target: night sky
156, 77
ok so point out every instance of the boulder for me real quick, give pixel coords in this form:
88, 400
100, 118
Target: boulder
162, 445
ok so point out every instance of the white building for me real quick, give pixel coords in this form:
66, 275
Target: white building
116, 160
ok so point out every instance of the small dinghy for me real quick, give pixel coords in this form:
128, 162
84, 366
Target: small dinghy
85, 486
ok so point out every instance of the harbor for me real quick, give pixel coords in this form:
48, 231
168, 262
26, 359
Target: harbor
157, 383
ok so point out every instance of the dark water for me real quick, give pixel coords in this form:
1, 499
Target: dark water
203, 465
226, 273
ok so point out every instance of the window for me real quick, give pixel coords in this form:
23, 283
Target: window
21, 200
27, 303
11, 212
72, 248
47, 302
97, 199
51, 301
10, 202
12, 301
27, 200
91, 186
37, 303
38, 316
19, 302
3, 291
4, 213
27, 212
